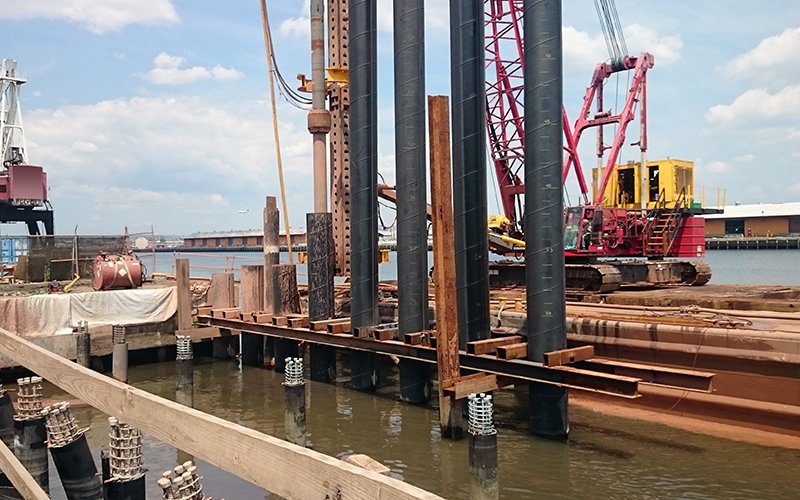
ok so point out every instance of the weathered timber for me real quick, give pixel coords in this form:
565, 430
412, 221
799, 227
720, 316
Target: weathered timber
568, 356
489, 346
476, 383
184, 293
444, 266
19, 476
271, 463
513, 351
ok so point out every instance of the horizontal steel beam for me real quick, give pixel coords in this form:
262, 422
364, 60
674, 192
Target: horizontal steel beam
572, 378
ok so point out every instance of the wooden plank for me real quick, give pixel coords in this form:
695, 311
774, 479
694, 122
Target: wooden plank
287, 282
323, 324
299, 322
232, 313
343, 327
280, 321
567, 356
513, 351
204, 311
369, 463
262, 317
444, 261
472, 384
19, 476
413, 338
183, 287
384, 333
282, 468
488, 346
202, 333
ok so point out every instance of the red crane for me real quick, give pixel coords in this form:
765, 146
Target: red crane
667, 228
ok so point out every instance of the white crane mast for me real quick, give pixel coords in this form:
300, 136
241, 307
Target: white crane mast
12, 133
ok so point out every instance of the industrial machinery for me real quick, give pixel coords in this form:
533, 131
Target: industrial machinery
641, 212
23, 187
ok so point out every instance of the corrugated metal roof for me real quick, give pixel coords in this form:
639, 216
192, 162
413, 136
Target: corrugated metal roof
758, 210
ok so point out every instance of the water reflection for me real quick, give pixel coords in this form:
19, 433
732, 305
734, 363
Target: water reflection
607, 457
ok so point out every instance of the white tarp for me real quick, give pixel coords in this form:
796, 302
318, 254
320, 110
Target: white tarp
57, 314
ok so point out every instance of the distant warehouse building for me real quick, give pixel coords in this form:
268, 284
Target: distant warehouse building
763, 219
238, 239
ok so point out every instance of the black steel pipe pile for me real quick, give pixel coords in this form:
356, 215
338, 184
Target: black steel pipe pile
468, 82
410, 164
71, 454
320, 290
364, 178
30, 433
544, 238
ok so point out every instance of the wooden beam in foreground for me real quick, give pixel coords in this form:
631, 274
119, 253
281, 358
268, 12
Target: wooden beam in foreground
19, 476
282, 468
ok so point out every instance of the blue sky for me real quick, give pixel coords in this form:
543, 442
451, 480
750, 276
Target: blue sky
156, 112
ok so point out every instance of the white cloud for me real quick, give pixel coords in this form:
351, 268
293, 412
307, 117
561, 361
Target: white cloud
584, 50
168, 71
746, 158
773, 54
757, 104
98, 16
716, 167
665, 48
149, 148
297, 27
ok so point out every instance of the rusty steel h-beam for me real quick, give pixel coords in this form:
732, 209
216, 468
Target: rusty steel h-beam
339, 103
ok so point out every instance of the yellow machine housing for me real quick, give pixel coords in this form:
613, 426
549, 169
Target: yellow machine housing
624, 188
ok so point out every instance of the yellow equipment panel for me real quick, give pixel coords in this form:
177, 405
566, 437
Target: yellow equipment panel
669, 176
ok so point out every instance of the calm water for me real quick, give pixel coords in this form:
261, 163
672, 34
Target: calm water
747, 267
606, 457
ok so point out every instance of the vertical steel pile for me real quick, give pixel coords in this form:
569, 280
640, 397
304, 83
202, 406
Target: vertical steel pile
295, 402
125, 472
320, 290
544, 239
30, 433
119, 353
482, 448
71, 454
412, 222
182, 483
468, 83
364, 178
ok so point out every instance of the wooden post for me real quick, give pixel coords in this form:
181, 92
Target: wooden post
444, 268
222, 294
19, 476
184, 294
272, 258
252, 292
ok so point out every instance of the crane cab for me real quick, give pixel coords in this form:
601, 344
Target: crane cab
668, 177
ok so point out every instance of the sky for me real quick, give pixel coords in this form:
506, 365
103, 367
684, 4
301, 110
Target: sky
157, 112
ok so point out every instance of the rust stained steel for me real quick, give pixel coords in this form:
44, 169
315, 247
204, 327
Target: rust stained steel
573, 378
489, 346
671, 377
339, 138
568, 356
